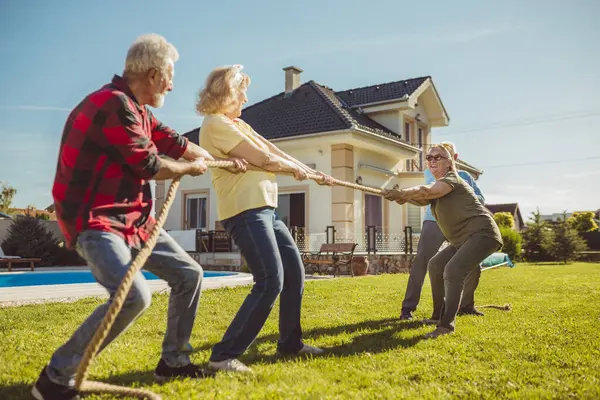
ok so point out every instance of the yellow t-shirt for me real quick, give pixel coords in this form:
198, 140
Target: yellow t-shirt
236, 193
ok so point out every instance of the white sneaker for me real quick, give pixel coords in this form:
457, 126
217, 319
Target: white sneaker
231, 365
307, 349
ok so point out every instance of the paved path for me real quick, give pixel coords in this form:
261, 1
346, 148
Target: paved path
70, 292
21, 295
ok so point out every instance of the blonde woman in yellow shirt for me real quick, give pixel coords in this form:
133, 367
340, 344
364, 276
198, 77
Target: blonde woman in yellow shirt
246, 208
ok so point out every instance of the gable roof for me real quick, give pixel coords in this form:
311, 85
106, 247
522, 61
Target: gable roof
508, 207
311, 108
462, 164
381, 93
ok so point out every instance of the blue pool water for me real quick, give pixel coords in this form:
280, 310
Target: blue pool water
67, 277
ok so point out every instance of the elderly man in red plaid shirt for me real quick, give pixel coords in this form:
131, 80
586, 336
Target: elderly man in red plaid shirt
108, 154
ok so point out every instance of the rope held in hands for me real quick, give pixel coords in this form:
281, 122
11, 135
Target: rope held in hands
82, 384
85, 386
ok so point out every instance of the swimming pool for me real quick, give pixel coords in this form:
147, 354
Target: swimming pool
69, 277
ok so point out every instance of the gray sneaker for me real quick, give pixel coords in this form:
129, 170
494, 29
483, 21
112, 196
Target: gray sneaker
439, 331
307, 349
229, 365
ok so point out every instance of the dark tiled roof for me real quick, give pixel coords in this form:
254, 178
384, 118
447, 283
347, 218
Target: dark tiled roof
383, 92
311, 108
314, 108
496, 208
193, 135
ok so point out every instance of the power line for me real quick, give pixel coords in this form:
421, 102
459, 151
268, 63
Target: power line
527, 122
542, 162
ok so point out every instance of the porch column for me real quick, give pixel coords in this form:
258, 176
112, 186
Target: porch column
342, 199
159, 193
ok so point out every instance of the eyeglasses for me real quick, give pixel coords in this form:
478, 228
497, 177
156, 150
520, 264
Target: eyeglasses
437, 157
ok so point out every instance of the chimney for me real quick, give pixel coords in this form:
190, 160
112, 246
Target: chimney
292, 78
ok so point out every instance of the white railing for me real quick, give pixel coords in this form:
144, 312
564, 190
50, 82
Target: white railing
380, 243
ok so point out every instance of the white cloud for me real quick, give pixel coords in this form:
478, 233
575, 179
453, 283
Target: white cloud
408, 38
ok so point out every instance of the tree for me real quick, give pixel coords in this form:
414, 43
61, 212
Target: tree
7, 195
504, 219
27, 237
538, 239
583, 221
567, 241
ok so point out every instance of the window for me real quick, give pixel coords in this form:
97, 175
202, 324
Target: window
291, 209
407, 132
413, 214
373, 211
196, 211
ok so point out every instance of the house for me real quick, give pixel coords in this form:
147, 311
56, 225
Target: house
374, 135
512, 209
554, 217
34, 212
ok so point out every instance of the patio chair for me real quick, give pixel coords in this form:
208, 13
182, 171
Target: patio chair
10, 260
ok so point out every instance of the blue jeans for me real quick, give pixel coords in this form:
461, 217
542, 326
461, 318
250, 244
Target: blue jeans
276, 265
109, 258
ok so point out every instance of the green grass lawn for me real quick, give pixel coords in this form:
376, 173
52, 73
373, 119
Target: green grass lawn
548, 346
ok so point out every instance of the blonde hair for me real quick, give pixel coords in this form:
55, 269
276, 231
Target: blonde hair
449, 149
220, 90
147, 52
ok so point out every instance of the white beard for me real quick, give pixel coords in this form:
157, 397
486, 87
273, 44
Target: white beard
158, 100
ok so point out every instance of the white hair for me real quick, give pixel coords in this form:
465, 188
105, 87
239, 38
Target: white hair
147, 52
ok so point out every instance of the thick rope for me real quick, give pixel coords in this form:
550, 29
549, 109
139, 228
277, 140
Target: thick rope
81, 383
87, 387
505, 307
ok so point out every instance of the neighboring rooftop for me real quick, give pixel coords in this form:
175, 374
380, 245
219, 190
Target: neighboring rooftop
512, 208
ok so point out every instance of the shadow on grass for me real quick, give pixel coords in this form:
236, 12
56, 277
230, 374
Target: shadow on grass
137, 379
382, 338
16, 391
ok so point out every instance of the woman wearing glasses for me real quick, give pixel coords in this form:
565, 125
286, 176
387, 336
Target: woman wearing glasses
466, 224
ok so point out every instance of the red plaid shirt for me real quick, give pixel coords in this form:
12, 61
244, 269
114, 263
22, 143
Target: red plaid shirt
108, 152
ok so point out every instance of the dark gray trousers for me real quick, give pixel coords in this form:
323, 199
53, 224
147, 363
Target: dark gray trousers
448, 271
429, 243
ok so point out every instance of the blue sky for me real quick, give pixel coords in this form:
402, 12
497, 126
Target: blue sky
519, 78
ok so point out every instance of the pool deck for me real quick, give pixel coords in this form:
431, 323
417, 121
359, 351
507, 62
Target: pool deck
22, 295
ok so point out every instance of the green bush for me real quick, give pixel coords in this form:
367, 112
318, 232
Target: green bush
66, 257
583, 221
512, 242
504, 219
27, 237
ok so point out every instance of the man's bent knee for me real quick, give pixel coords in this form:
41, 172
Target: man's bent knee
138, 299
